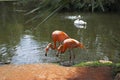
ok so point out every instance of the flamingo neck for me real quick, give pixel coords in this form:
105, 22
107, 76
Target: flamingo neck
61, 49
49, 46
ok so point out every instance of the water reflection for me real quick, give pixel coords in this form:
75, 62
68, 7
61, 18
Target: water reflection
26, 51
96, 36
30, 51
5, 53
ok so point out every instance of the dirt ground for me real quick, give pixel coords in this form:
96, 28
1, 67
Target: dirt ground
53, 72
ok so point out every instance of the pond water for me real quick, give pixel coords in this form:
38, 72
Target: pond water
20, 44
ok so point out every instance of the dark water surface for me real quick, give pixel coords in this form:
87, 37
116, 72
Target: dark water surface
21, 45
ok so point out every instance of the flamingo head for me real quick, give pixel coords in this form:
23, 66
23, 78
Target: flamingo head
46, 51
47, 48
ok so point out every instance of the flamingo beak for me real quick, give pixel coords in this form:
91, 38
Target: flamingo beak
45, 54
46, 50
57, 54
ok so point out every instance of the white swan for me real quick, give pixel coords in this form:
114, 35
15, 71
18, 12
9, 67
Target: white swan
80, 23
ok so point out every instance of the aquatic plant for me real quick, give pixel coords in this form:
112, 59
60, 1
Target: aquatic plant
70, 5
40, 7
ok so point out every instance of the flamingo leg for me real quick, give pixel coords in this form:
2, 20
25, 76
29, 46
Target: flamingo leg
60, 57
70, 57
73, 57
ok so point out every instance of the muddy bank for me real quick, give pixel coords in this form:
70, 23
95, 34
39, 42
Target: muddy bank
53, 72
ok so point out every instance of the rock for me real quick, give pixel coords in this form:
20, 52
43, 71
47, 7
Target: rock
104, 61
117, 77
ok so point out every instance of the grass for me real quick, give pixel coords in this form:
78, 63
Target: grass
93, 64
115, 66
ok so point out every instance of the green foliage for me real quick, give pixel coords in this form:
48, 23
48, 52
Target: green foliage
40, 7
72, 5
116, 68
94, 64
